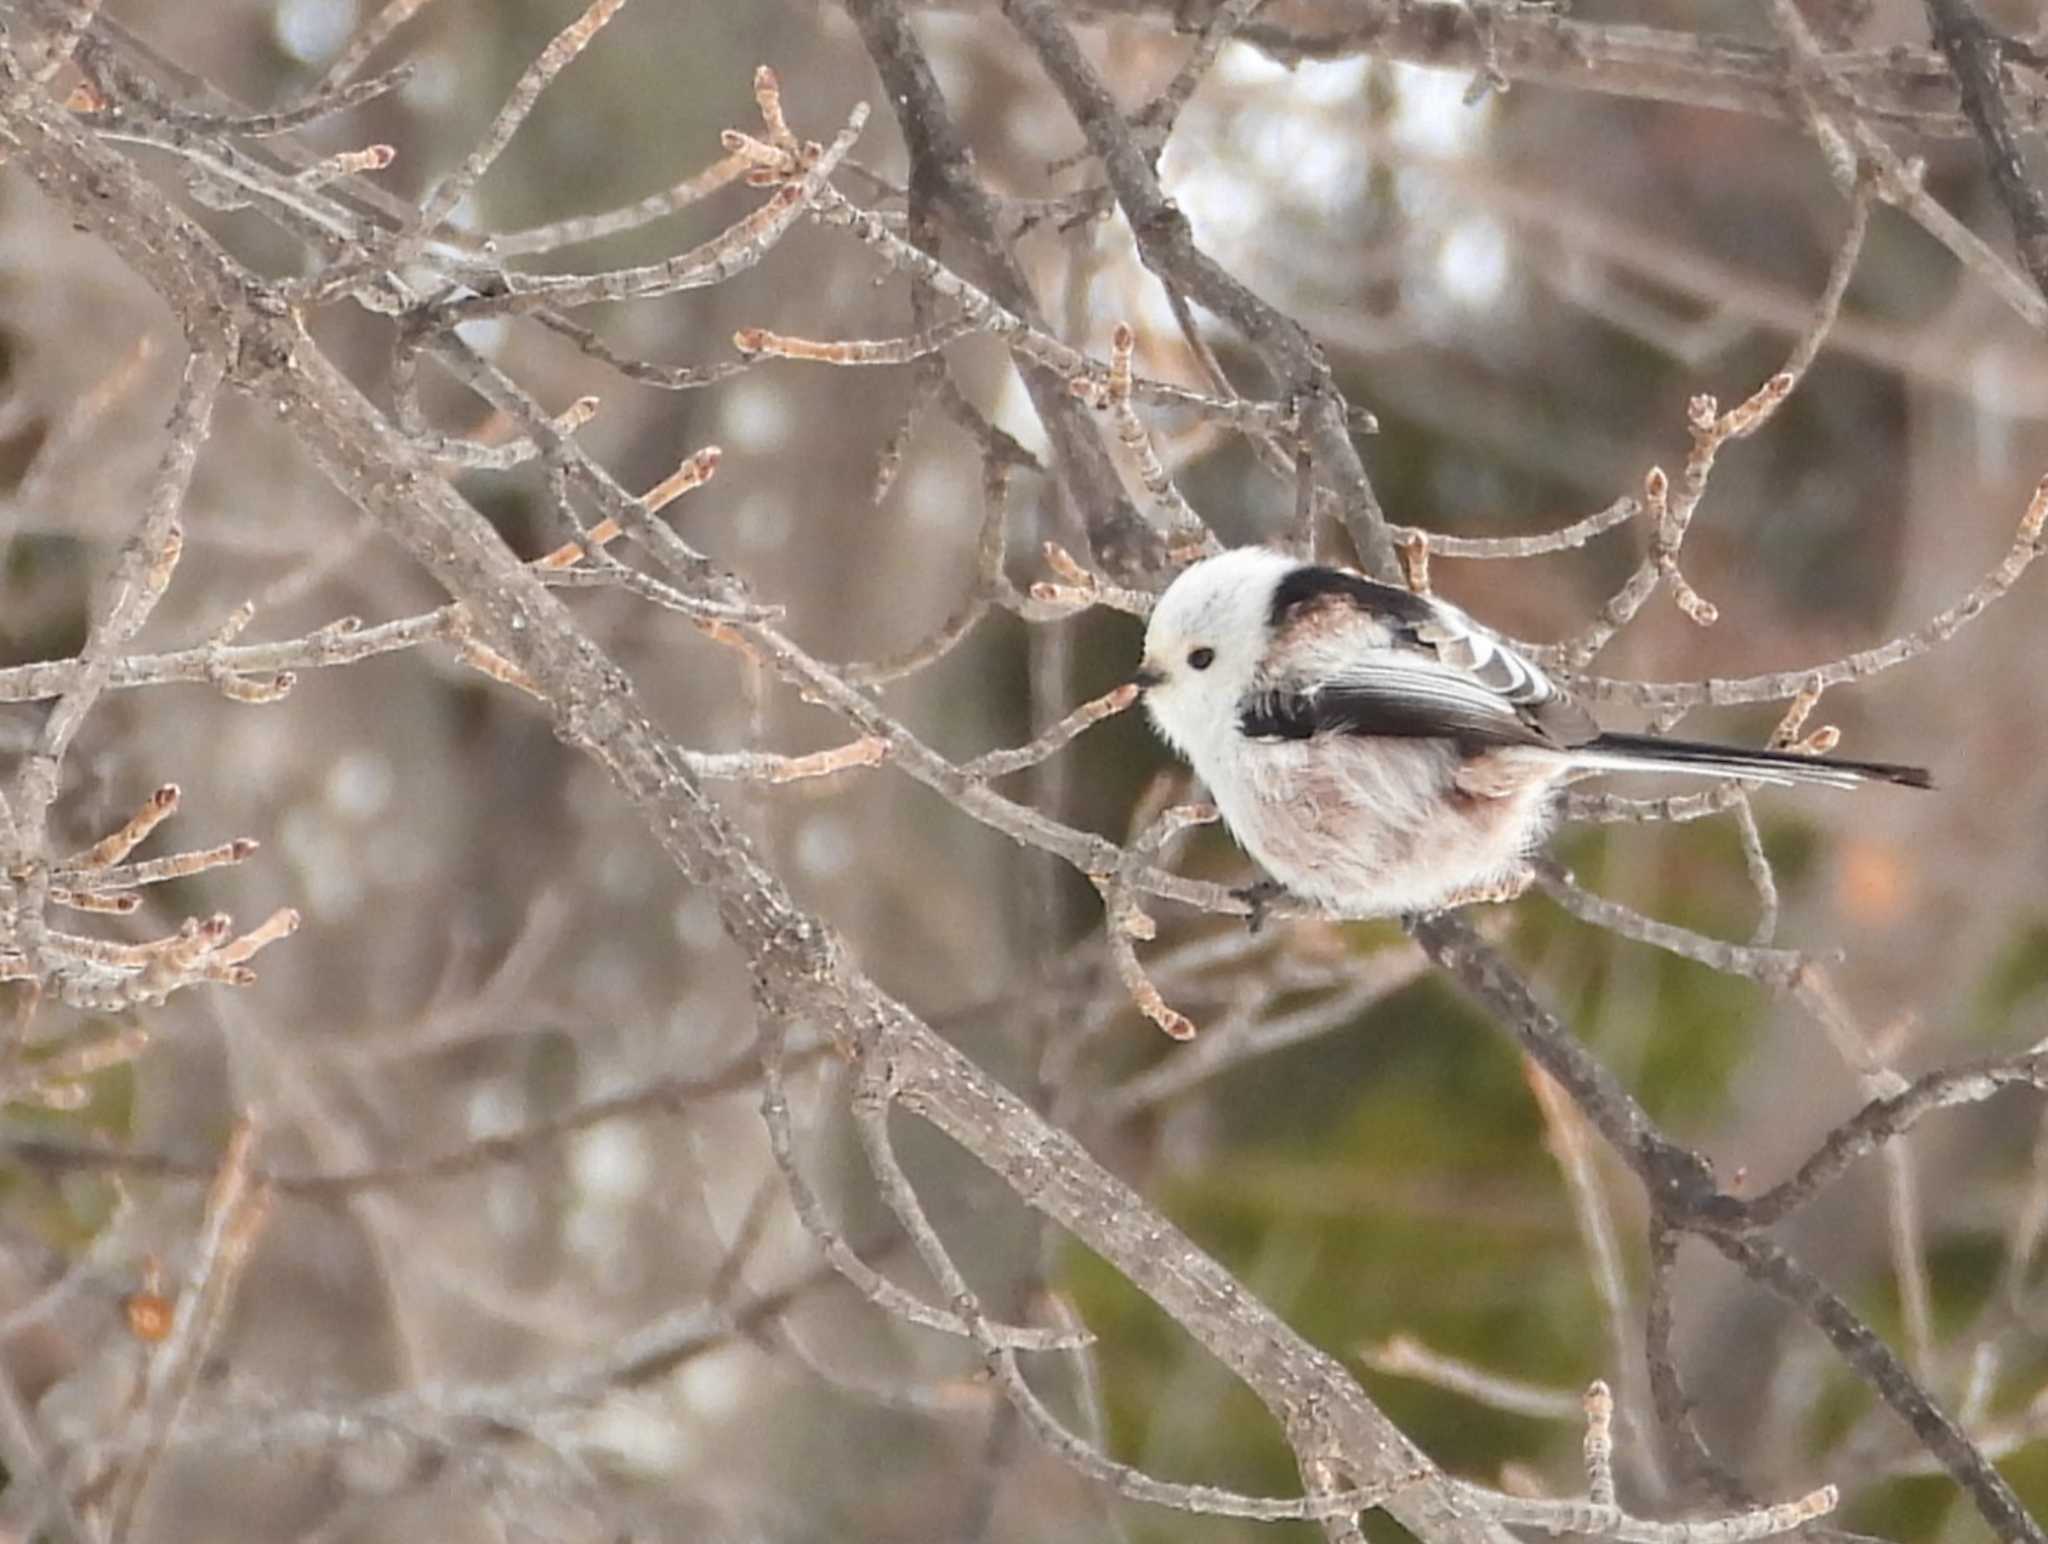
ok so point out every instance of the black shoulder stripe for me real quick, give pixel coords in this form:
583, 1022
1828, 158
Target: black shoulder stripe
1274, 716
1312, 582
1303, 716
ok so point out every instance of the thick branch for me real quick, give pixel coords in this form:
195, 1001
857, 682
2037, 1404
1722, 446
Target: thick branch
1539, 45
1682, 1191
1973, 54
799, 968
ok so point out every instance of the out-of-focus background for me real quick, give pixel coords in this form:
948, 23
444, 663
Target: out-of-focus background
1525, 286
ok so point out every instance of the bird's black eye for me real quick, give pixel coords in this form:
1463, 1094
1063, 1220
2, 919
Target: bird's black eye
1201, 659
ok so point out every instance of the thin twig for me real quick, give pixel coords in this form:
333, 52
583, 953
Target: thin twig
392, 15
234, 1213
561, 50
1404, 1357
1784, 685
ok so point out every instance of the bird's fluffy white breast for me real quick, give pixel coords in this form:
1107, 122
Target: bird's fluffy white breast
1371, 826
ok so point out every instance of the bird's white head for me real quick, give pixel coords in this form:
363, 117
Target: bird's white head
1205, 644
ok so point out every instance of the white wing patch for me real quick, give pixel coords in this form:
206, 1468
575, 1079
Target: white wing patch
1411, 677
1463, 644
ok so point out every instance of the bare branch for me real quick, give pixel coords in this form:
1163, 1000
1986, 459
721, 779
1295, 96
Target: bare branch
1974, 56
1778, 686
1905, 86
234, 1215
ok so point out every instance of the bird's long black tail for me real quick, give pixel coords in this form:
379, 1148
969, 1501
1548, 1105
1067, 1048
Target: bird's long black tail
1655, 753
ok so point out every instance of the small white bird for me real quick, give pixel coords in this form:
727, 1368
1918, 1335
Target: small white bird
1380, 752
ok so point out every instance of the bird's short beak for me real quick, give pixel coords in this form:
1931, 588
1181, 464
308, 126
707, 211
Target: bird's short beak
1147, 677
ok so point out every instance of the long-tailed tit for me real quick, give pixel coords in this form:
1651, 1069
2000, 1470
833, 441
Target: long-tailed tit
1380, 752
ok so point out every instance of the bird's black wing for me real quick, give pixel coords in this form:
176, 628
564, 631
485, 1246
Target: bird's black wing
1365, 658
1356, 657
1398, 702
